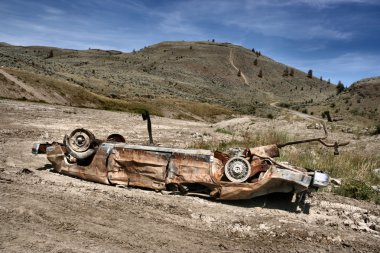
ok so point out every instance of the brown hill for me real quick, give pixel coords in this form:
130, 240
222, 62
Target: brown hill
361, 99
357, 105
178, 79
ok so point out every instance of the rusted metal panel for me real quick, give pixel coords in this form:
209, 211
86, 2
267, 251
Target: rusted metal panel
188, 168
138, 167
96, 171
274, 180
258, 166
267, 151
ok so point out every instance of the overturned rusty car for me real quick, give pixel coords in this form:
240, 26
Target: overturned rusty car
245, 175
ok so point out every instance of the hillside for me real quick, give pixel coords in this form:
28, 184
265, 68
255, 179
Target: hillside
172, 78
359, 103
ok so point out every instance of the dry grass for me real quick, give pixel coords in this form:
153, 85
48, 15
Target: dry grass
78, 96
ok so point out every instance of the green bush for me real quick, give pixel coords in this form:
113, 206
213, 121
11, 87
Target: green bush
358, 190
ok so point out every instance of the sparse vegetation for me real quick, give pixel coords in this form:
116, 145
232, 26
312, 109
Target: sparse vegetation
139, 76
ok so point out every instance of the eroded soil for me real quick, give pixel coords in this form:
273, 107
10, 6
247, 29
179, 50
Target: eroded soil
41, 211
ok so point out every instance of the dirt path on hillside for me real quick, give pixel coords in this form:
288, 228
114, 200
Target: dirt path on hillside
42, 211
237, 69
28, 88
299, 114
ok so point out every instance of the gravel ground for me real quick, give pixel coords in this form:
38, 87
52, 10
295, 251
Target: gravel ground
42, 211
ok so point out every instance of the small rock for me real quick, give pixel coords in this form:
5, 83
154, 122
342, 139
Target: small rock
196, 135
374, 227
337, 239
348, 222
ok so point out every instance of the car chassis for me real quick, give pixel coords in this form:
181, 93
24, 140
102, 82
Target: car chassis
245, 175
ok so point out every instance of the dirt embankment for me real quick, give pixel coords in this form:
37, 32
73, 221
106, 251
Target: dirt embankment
41, 211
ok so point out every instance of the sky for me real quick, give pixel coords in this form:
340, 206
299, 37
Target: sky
337, 39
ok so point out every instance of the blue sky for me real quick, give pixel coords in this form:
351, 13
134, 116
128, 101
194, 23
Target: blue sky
338, 39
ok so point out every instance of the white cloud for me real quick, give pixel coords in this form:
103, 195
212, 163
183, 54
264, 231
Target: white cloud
175, 22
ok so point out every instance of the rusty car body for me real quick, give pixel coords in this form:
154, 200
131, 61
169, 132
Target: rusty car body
246, 175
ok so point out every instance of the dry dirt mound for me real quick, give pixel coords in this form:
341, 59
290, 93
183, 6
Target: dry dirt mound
41, 211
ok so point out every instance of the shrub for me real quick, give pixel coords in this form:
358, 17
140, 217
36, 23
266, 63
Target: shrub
326, 114
260, 73
285, 105
286, 72
377, 129
223, 131
51, 54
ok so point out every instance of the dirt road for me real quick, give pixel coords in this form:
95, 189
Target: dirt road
41, 211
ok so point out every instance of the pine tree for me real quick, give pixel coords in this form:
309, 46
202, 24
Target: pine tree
255, 62
339, 87
310, 74
291, 72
